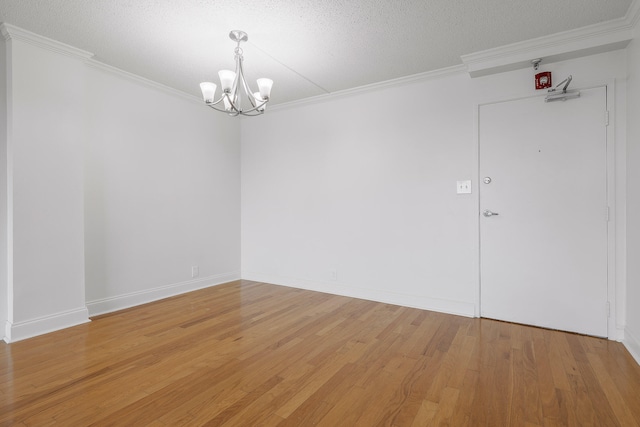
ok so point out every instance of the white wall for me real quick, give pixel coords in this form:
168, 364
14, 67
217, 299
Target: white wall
365, 185
4, 304
162, 191
632, 333
116, 187
46, 199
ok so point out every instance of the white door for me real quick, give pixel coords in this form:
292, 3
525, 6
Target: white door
543, 257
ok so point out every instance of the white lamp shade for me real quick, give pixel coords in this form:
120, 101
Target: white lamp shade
208, 91
265, 87
226, 79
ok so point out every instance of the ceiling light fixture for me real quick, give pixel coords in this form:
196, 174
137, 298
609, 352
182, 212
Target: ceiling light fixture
231, 100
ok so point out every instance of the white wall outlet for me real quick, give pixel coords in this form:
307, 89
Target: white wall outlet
195, 271
333, 274
464, 187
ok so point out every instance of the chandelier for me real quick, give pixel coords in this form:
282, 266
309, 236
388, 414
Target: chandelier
235, 89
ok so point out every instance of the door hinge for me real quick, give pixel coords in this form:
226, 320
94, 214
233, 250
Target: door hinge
608, 309
606, 118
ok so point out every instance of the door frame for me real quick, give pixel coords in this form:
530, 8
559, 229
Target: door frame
615, 188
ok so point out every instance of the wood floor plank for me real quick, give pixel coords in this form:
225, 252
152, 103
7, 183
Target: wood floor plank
462, 414
546, 385
518, 387
614, 397
320, 403
249, 353
393, 392
414, 386
603, 411
425, 414
446, 406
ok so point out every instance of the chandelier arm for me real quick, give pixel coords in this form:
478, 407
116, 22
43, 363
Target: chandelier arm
234, 87
238, 37
245, 86
256, 109
233, 105
217, 109
216, 102
234, 112
259, 106
252, 113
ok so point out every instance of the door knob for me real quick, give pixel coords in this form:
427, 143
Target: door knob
488, 213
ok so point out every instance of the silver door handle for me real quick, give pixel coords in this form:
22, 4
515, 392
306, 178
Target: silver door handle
488, 213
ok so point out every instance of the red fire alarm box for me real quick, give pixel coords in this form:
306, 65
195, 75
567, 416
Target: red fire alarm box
543, 80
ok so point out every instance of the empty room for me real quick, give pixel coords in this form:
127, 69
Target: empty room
297, 213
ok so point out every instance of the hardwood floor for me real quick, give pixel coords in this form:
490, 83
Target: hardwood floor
252, 354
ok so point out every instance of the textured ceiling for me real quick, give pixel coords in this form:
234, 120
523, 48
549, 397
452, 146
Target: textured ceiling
308, 47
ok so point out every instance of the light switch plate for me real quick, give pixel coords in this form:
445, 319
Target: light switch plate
464, 187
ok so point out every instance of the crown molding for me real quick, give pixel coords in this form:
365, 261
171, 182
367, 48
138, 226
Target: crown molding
11, 32
414, 78
597, 38
143, 81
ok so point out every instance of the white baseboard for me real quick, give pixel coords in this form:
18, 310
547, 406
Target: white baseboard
618, 333
433, 304
119, 302
632, 343
42, 325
